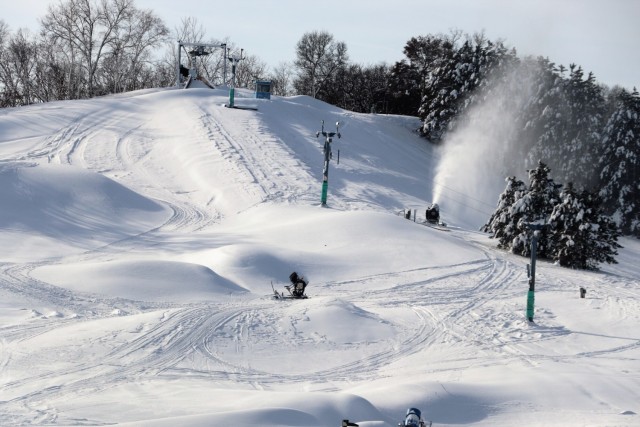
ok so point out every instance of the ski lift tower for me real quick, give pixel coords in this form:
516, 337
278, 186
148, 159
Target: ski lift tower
197, 50
327, 157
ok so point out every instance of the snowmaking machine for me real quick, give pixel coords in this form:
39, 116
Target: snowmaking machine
296, 288
432, 213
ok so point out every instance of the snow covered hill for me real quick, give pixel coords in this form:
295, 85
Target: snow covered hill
141, 235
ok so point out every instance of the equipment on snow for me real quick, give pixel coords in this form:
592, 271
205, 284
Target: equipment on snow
414, 419
327, 157
531, 269
433, 213
346, 423
296, 288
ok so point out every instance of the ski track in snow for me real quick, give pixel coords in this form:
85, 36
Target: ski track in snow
219, 341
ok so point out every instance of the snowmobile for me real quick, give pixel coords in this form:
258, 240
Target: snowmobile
414, 419
296, 288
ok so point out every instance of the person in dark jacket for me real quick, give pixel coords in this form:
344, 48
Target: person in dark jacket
299, 284
413, 419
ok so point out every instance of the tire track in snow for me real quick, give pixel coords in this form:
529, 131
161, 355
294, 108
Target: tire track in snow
265, 159
423, 330
163, 347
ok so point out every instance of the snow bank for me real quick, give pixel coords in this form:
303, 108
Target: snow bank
65, 208
141, 280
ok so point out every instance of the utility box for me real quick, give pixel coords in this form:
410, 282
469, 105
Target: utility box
263, 89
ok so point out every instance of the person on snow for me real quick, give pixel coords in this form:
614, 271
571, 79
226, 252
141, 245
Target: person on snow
299, 284
413, 418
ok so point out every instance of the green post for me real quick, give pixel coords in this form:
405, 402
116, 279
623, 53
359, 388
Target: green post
532, 272
232, 90
530, 303
327, 158
325, 187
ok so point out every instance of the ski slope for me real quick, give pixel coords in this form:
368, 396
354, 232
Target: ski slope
141, 233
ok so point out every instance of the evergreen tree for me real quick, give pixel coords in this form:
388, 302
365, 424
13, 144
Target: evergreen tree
426, 54
502, 224
605, 232
565, 223
464, 78
540, 81
578, 233
535, 206
563, 122
548, 118
582, 235
404, 89
579, 152
620, 173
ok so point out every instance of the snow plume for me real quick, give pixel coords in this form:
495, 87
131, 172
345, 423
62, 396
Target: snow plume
475, 156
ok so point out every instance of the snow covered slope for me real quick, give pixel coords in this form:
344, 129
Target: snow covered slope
140, 235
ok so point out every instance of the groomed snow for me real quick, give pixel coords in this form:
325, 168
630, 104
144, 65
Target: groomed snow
141, 235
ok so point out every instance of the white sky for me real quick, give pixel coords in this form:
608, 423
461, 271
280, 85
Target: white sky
600, 35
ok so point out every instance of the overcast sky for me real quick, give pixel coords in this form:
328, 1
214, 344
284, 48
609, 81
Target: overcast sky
600, 35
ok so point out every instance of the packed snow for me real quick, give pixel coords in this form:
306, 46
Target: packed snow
142, 235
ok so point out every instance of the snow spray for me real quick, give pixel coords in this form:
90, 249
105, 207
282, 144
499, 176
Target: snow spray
473, 163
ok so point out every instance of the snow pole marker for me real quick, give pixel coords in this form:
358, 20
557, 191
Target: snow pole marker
531, 271
327, 157
325, 189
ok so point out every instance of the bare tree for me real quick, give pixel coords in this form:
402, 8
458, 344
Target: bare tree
17, 65
84, 28
318, 57
22, 48
281, 79
190, 30
250, 69
210, 66
6, 82
130, 51
51, 78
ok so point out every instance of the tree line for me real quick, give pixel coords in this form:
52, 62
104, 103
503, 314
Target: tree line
88, 48
587, 133
83, 49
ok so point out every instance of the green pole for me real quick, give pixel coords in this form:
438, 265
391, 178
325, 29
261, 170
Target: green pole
325, 171
327, 158
532, 274
232, 89
530, 302
325, 187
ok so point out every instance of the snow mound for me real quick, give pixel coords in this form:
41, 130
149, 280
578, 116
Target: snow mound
277, 409
69, 208
328, 244
321, 316
142, 280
